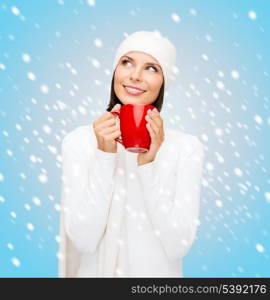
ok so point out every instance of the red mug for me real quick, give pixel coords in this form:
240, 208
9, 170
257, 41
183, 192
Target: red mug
134, 134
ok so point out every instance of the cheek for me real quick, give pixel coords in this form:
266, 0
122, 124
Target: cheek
155, 85
117, 81
117, 76
120, 74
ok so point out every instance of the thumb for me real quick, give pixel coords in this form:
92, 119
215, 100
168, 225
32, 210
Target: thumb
116, 107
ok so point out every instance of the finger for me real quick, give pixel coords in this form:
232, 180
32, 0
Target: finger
151, 131
115, 110
115, 117
106, 116
113, 135
154, 126
156, 117
116, 107
106, 124
103, 117
108, 130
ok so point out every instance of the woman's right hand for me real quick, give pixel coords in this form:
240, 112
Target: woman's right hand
106, 130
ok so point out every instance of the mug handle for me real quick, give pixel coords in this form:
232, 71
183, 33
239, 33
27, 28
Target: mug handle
117, 114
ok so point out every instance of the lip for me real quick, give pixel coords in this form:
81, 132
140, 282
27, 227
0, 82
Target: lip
134, 87
140, 91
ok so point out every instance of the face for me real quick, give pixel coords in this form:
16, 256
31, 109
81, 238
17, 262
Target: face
138, 78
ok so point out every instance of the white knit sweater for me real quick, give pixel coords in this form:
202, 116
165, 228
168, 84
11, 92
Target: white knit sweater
119, 219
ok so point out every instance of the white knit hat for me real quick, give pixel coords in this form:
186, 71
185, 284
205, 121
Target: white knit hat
154, 44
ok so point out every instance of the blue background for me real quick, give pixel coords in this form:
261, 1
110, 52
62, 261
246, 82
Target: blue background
221, 95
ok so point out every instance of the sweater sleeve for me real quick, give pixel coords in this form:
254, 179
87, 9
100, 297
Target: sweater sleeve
87, 187
174, 215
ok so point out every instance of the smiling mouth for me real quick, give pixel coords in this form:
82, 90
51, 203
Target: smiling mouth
133, 91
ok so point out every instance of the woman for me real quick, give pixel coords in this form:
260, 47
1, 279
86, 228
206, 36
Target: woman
130, 214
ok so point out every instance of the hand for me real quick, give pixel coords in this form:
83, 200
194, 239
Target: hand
106, 130
155, 128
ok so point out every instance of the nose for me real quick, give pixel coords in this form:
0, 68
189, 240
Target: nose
136, 75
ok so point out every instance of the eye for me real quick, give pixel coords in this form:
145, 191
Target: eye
124, 61
153, 68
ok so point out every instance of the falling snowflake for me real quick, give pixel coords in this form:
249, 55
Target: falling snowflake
18, 127
218, 132
238, 172
209, 38
27, 206
26, 58
220, 74
46, 129
30, 226
176, 18
204, 137
219, 157
31, 76
98, 43
15, 262
260, 248
258, 119
91, 2
209, 166
10, 246
15, 10
13, 215
2, 66
57, 207
44, 89
235, 74
33, 158
267, 196
43, 178
36, 201
193, 12
9, 152
96, 63
205, 57
219, 203
252, 15
52, 149
220, 85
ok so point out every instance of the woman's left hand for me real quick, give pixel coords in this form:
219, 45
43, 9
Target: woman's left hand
155, 128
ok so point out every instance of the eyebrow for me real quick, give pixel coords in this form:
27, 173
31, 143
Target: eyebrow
149, 63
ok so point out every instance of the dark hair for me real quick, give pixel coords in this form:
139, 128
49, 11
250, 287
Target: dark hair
115, 100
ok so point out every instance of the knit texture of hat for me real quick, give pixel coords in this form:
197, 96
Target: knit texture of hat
154, 44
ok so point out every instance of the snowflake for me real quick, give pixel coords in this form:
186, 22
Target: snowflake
31, 76
252, 15
16, 262
235, 74
15, 10
26, 58
30, 226
175, 17
98, 43
91, 2
260, 248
